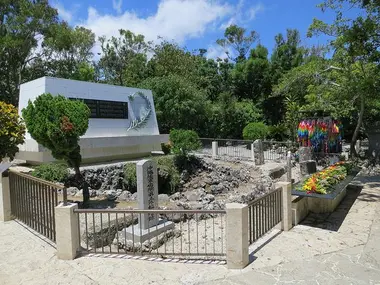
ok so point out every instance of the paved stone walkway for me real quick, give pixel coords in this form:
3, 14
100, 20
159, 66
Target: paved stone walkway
341, 248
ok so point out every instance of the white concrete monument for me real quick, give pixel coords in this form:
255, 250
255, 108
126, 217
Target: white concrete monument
4, 166
122, 124
149, 225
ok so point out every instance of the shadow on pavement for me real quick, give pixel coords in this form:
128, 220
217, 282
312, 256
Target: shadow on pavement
333, 221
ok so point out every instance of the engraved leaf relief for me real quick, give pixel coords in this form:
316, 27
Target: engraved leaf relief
141, 110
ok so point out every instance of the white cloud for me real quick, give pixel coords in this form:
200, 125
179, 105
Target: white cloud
177, 20
66, 14
243, 14
254, 10
215, 51
116, 4
63, 13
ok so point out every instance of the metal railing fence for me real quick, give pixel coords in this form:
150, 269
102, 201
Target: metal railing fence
274, 150
264, 213
33, 201
227, 148
193, 234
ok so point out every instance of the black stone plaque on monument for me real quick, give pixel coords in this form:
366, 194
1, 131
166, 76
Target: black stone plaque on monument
103, 109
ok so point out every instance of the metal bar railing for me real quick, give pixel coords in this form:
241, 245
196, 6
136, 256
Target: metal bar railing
33, 201
273, 150
184, 234
264, 214
227, 147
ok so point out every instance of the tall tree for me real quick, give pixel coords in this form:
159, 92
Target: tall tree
179, 103
251, 78
124, 59
286, 55
293, 89
355, 41
67, 51
236, 40
23, 24
169, 58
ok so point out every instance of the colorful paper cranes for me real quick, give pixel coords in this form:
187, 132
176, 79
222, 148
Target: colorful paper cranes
324, 135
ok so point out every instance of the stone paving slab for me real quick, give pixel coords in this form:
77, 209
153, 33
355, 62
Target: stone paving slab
342, 248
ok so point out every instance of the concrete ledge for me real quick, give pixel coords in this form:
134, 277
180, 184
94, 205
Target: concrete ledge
98, 149
320, 205
300, 209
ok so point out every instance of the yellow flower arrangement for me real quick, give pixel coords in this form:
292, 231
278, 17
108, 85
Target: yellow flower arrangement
322, 182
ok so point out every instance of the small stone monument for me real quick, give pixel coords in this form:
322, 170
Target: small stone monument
305, 153
258, 151
148, 225
308, 167
307, 164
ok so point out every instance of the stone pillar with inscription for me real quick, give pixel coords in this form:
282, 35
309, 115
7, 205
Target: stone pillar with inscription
147, 192
258, 152
149, 226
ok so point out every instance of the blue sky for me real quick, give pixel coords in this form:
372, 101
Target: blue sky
195, 23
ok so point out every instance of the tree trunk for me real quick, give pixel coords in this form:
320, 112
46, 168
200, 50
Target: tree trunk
353, 152
86, 194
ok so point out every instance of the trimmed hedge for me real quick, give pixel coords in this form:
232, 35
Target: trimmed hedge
255, 131
56, 172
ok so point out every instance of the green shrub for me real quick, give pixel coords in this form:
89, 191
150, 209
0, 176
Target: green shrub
184, 141
278, 132
254, 131
190, 163
57, 123
56, 172
12, 131
166, 148
169, 176
130, 179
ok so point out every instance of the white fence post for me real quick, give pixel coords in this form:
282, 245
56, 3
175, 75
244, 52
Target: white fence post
5, 197
289, 166
67, 231
214, 149
358, 146
286, 223
237, 235
253, 153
